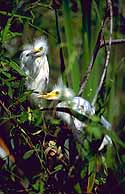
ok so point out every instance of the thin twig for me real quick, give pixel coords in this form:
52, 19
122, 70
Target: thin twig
93, 58
113, 42
5, 108
109, 7
76, 114
95, 52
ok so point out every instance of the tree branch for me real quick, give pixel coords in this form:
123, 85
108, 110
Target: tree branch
113, 42
103, 77
94, 55
67, 110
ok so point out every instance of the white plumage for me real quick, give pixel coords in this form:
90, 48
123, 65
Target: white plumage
35, 65
78, 104
106, 140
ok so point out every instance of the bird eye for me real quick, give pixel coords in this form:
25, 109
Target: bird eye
57, 92
41, 48
27, 54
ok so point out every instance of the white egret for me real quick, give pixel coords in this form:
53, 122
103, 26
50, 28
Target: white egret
78, 104
35, 65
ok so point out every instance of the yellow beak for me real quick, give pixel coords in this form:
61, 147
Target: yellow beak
36, 50
50, 95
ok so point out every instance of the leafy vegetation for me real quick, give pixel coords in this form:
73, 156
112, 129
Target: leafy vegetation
86, 46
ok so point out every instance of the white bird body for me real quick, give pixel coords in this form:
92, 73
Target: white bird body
83, 107
38, 83
78, 104
35, 65
106, 140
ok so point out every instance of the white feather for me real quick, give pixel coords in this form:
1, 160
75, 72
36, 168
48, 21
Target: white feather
106, 140
77, 104
36, 67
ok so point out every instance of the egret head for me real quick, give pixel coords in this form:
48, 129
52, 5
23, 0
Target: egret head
59, 92
40, 47
37, 49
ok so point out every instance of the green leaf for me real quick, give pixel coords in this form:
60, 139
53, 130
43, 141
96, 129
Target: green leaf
36, 186
95, 118
123, 158
58, 167
6, 30
91, 174
41, 187
95, 130
17, 68
28, 154
78, 188
5, 73
83, 172
97, 11
116, 139
72, 51
23, 117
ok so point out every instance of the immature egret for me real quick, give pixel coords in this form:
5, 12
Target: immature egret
78, 104
35, 65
